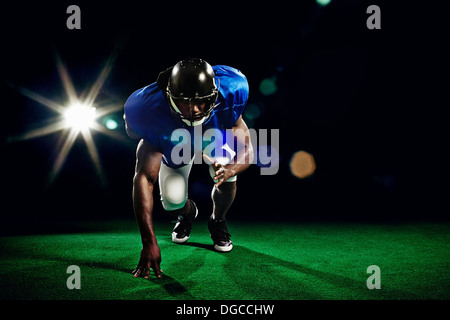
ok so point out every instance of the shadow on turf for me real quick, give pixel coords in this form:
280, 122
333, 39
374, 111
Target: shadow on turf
265, 279
169, 284
209, 247
288, 287
267, 265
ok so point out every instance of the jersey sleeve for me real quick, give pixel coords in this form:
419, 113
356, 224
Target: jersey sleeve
234, 88
138, 116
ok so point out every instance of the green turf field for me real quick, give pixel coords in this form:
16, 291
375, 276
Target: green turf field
269, 261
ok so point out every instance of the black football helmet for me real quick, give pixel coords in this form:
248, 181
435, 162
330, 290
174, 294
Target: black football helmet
192, 81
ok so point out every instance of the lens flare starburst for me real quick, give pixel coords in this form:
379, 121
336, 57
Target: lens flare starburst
77, 117
80, 116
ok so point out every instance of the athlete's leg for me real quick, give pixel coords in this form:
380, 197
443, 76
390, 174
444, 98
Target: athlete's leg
222, 198
183, 211
173, 186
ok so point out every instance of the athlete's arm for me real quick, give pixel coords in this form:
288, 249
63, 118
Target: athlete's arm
148, 162
244, 156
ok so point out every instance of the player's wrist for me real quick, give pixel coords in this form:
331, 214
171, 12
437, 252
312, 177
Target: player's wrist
235, 169
149, 241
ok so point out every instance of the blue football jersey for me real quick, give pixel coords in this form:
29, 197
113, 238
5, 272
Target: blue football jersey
148, 114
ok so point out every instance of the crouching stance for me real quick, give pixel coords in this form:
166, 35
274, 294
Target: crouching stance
188, 95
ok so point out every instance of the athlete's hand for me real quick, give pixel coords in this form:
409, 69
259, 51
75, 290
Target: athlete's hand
150, 258
222, 172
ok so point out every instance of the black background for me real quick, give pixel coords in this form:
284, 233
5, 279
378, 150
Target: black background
365, 103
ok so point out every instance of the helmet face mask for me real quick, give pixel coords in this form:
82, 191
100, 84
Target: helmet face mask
190, 84
209, 104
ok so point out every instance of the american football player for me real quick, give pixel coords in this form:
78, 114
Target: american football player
191, 95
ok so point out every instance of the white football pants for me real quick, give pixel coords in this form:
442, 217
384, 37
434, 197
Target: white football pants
173, 184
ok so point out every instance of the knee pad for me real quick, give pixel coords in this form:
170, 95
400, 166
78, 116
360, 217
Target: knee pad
173, 192
173, 186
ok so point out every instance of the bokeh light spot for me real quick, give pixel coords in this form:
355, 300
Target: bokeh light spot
302, 164
111, 124
268, 86
252, 111
323, 2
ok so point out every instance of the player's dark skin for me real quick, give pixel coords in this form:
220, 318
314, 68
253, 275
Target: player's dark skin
148, 162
